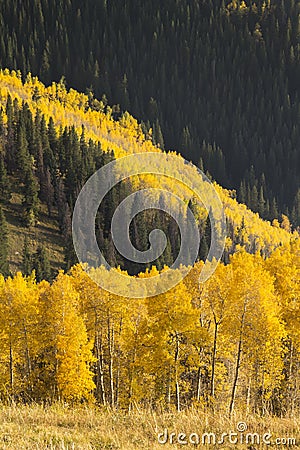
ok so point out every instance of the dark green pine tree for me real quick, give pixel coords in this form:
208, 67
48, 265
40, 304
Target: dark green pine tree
49, 189
4, 265
201, 165
41, 264
48, 152
186, 141
175, 239
242, 194
205, 240
23, 158
5, 187
273, 209
10, 147
45, 67
30, 199
26, 257
261, 202
139, 231
9, 113
61, 201
2, 128
52, 136
240, 238
69, 252
254, 199
166, 258
110, 252
157, 136
123, 94
296, 209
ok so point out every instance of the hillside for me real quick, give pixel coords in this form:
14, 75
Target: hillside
68, 108
229, 345
217, 81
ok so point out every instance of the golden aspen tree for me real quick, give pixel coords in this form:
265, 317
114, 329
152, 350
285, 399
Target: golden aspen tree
92, 301
172, 319
254, 326
216, 299
105, 315
19, 313
201, 336
134, 379
284, 265
68, 352
7, 342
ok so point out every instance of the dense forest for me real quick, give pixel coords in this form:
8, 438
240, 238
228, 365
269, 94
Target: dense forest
51, 141
233, 345
229, 344
216, 80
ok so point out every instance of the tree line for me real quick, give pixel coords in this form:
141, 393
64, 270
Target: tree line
44, 164
231, 345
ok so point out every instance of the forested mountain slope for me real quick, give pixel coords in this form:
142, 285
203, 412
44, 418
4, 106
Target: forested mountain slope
212, 80
52, 140
217, 80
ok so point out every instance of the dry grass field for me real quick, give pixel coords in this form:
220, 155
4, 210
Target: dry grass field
85, 428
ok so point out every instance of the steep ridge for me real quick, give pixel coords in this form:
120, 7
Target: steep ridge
122, 136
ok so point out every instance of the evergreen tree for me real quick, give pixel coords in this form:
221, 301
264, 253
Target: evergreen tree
30, 199
23, 158
261, 203
5, 188
273, 209
157, 135
205, 240
41, 264
26, 258
4, 265
49, 191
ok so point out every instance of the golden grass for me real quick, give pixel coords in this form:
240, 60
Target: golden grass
58, 427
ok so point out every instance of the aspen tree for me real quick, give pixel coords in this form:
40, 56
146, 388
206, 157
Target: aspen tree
69, 351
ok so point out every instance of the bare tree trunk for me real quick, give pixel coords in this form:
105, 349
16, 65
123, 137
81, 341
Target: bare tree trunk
248, 396
176, 373
130, 394
131, 376
263, 408
213, 362
291, 361
169, 386
236, 376
11, 368
28, 360
198, 384
291, 389
118, 367
110, 342
117, 384
238, 362
100, 371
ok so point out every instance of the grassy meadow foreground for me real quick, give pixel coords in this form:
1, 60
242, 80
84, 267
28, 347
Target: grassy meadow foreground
86, 428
